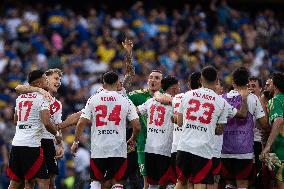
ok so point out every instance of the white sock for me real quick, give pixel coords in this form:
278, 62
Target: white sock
117, 186
95, 185
153, 186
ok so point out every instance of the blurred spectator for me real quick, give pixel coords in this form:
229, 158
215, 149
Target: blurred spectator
4, 160
13, 21
81, 167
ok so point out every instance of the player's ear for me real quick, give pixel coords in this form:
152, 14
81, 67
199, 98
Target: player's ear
201, 80
216, 81
117, 83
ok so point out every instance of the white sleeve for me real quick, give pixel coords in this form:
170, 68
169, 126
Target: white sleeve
132, 113
224, 114
87, 111
231, 110
58, 118
44, 105
180, 108
16, 107
143, 107
259, 112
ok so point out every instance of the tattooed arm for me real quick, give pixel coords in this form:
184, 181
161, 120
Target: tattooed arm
130, 71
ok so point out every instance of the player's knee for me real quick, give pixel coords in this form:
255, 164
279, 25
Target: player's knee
242, 183
43, 183
106, 184
183, 183
13, 184
29, 184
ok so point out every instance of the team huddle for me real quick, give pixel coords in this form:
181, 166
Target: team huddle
195, 139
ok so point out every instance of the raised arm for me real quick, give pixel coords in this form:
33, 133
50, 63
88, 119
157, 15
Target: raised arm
130, 71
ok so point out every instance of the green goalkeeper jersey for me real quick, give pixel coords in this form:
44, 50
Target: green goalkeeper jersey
276, 109
139, 97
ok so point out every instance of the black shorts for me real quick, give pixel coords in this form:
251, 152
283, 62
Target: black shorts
102, 169
216, 162
158, 168
257, 148
132, 162
49, 155
237, 169
174, 164
26, 163
196, 169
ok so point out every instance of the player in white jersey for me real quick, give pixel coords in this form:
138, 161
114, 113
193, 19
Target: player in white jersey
237, 149
26, 156
51, 154
218, 142
108, 112
193, 83
159, 136
177, 130
199, 113
255, 87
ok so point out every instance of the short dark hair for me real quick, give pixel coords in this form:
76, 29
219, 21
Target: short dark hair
194, 80
168, 81
253, 78
110, 77
278, 81
34, 75
241, 76
209, 73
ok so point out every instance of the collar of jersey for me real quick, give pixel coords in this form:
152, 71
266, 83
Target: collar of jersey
207, 89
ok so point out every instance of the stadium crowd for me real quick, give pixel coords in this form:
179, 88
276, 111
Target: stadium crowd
177, 42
